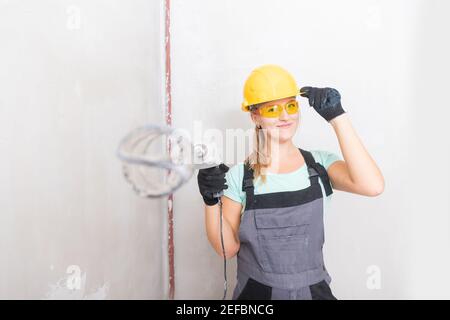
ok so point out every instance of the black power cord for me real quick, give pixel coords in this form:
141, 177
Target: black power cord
223, 252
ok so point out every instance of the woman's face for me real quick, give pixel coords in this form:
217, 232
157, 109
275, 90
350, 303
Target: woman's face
282, 128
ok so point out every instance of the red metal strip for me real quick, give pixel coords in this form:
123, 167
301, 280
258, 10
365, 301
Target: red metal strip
168, 97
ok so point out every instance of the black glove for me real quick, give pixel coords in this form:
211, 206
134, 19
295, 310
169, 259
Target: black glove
211, 181
326, 101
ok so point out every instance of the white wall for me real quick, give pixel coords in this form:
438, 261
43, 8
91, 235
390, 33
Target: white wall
75, 77
388, 60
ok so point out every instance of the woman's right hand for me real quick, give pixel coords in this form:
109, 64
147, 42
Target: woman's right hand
211, 181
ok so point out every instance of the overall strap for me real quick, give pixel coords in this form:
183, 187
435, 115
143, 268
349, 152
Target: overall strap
247, 184
316, 170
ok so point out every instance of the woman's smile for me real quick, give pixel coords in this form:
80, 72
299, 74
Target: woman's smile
284, 125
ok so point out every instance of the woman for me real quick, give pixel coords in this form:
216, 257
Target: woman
273, 203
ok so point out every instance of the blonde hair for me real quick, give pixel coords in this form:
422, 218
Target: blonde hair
259, 159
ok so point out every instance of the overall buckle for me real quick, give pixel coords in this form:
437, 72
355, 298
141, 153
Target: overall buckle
248, 184
312, 172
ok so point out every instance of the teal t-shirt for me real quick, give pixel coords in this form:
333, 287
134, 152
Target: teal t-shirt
277, 182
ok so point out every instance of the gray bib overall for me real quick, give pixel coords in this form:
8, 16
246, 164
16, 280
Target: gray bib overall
281, 238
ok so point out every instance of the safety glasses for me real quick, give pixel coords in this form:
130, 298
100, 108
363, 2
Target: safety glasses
275, 110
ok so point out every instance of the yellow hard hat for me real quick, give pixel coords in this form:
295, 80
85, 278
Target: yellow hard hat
266, 83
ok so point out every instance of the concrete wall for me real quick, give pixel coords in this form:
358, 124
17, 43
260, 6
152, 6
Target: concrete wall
388, 60
75, 77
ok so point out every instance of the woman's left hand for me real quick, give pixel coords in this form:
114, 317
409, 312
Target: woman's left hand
326, 101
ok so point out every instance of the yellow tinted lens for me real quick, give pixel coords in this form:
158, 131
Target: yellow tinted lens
270, 111
292, 107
